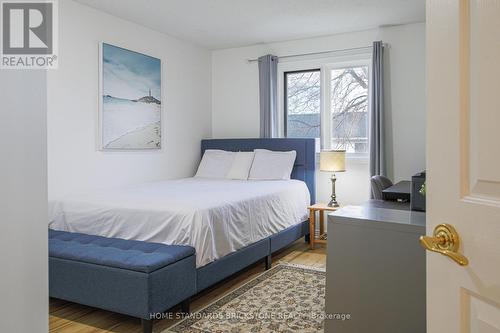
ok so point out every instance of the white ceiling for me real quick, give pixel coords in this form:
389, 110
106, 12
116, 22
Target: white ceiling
218, 24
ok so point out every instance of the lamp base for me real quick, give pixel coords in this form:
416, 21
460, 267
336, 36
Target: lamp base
333, 203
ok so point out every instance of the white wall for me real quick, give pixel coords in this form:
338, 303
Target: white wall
23, 202
194, 80
235, 100
75, 164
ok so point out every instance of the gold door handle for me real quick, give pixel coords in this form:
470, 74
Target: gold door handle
445, 240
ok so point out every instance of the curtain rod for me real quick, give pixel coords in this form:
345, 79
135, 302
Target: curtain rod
322, 52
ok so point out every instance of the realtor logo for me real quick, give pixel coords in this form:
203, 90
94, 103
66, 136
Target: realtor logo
29, 31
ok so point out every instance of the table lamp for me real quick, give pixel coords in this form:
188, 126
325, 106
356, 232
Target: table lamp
332, 161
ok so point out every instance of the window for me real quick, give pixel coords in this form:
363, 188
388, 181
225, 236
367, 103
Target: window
302, 104
330, 103
348, 102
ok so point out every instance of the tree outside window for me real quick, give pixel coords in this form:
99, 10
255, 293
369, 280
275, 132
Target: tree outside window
347, 101
349, 109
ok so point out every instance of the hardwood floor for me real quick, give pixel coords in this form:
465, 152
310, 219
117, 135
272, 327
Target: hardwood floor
66, 317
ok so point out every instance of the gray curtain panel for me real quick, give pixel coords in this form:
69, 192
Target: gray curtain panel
268, 92
377, 147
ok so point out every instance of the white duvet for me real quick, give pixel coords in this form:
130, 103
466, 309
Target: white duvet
216, 217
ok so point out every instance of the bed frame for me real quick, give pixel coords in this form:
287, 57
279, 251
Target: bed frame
304, 169
136, 292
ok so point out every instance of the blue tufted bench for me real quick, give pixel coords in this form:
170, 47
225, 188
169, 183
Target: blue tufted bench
135, 278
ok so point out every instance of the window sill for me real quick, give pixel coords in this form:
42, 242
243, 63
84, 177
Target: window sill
351, 158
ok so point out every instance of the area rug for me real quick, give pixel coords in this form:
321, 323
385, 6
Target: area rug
286, 298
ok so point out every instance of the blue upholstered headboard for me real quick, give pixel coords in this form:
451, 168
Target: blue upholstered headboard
305, 163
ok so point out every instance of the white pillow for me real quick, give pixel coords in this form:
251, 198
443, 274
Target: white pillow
272, 165
240, 168
215, 164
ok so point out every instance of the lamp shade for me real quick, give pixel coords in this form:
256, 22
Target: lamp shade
332, 160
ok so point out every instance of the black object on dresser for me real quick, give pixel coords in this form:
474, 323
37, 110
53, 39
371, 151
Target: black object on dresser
399, 191
417, 194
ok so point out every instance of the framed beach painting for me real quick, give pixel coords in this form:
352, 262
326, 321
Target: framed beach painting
130, 100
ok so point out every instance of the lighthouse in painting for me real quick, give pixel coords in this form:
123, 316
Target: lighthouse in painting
148, 99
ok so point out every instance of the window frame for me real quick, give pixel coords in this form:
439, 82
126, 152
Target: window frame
285, 95
325, 64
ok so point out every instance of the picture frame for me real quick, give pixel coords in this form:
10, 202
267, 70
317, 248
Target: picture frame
130, 113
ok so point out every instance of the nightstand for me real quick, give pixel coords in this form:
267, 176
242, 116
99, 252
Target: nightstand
321, 208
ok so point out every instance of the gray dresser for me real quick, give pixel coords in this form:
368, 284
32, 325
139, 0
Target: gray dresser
375, 271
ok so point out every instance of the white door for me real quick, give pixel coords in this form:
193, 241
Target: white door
463, 184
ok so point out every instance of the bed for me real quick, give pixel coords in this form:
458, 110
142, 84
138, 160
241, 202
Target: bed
216, 217
230, 223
